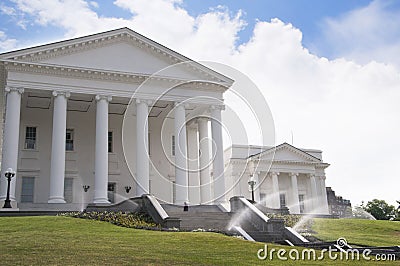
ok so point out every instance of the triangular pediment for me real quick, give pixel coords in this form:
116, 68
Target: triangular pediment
121, 50
287, 152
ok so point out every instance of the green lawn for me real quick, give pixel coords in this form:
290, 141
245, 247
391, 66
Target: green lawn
357, 231
71, 241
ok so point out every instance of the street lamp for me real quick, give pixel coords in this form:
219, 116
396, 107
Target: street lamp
9, 174
252, 182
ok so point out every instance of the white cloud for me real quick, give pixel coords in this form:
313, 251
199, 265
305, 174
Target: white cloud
94, 4
6, 43
7, 10
348, 110
371, 32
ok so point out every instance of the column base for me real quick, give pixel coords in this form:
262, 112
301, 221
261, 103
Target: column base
101, 201
56, 200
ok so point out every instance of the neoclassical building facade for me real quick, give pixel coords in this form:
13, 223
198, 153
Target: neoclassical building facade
114, 115
284, 176
80, 126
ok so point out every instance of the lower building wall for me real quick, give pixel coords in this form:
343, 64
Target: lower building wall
79, 168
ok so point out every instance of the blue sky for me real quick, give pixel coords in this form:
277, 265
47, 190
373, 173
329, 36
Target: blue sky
329, 69
307, 15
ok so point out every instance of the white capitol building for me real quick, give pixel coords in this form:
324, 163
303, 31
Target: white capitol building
79, 127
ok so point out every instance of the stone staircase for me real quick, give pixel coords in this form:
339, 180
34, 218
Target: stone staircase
207, 217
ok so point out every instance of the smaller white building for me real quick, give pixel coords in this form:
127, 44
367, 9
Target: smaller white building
285, 176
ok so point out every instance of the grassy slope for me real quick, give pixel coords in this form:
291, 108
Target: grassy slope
357, 231
70, 241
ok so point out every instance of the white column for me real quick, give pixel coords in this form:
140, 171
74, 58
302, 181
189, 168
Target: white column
275, 200
294, 204
218, 153
101, 151
181, 175
314, 194
205, 175
257, 187
193, 164
142, 147
10, 140
324, 199
57, 162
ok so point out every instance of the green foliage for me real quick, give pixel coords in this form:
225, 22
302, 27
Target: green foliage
358, 231
66, 241
397, 218
130, 220
290, 219
44, 240
380, 209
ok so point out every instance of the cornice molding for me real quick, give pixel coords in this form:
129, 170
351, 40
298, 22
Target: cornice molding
106, 75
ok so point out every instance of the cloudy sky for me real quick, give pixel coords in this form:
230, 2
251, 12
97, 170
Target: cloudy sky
329, 70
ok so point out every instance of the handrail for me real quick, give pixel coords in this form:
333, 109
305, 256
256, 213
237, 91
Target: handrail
154, 208
254, 209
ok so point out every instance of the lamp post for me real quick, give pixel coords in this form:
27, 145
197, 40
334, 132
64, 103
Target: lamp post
9, 174
252, 183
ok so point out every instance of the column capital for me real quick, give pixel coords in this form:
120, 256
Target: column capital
10, 89
294, 174
274, 173
311, 175
66, 94
103, 97
146, 101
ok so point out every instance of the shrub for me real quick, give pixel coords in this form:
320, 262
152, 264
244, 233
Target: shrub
290, 219
130, 220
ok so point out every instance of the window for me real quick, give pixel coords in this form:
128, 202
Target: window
30, 138
69, 140
28, 185
68, 191
173, 146
110, 141
301, 203
282, 200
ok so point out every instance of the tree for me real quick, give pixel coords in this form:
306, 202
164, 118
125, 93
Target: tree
397, 211
380, 209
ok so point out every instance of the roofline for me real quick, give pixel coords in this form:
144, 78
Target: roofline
182, 57
285, 143
267, 148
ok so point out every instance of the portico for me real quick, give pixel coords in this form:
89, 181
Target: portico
286, 177
71, 124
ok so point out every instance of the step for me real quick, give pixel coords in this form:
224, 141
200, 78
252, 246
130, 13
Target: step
203, 214
262, 236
